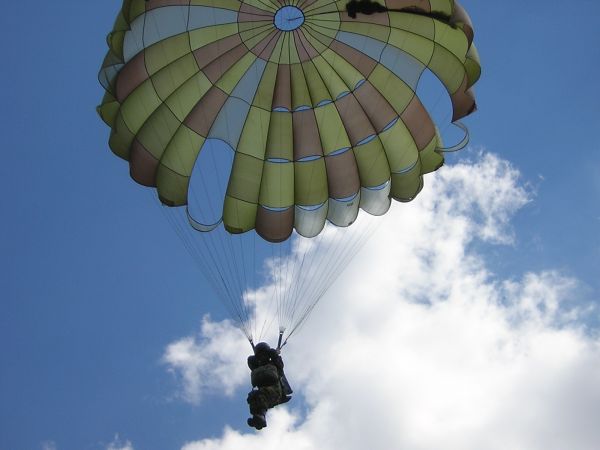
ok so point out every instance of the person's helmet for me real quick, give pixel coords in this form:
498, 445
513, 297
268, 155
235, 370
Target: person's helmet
261, 347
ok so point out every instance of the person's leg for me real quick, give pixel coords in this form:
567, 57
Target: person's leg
258, 404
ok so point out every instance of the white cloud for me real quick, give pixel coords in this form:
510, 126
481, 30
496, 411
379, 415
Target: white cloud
486, 191
419, 347
49, 445
117, 444
209, 361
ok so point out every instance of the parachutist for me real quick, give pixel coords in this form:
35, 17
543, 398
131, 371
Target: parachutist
269, 384
364, 6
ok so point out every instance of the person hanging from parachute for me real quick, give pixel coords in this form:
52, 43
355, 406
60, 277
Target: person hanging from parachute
270, 386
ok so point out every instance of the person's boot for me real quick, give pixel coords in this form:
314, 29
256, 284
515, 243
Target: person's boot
257, 421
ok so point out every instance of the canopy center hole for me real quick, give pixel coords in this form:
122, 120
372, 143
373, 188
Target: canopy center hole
288, 18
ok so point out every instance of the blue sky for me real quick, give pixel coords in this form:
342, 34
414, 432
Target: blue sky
95, 285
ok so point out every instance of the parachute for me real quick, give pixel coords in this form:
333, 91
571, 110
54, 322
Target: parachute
268, 125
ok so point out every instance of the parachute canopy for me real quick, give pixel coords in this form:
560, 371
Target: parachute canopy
319, 109
285, 117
